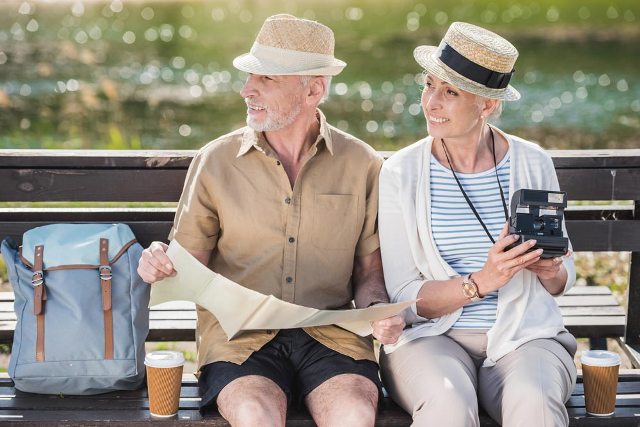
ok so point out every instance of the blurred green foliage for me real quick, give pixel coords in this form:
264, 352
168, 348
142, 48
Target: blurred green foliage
189, 356
144, 75
3, 273
604, 268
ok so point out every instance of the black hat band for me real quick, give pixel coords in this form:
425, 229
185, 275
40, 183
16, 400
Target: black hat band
469, 69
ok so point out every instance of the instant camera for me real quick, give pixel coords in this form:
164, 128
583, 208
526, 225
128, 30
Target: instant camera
538, 214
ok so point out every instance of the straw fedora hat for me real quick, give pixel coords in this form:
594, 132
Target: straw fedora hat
287, 45
472, 59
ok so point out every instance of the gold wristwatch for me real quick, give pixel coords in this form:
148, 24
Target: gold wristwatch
470, 289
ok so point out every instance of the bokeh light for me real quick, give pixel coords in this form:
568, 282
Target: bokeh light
160, 73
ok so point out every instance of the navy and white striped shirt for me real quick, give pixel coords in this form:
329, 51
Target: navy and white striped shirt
459, 237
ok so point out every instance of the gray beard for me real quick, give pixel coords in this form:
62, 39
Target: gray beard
272, 124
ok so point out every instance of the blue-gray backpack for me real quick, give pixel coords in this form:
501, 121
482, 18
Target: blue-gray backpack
82, 309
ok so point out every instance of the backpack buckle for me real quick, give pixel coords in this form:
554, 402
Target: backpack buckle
105, 272
38, 278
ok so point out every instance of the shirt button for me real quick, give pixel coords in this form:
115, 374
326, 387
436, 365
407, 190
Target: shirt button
292, 239
288, 200
289, 279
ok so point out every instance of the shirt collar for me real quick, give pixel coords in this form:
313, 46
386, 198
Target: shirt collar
325, 132
251, 138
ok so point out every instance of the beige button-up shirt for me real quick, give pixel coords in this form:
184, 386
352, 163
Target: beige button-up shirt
297, 244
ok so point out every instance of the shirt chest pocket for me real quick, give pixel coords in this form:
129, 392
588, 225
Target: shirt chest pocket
335, 219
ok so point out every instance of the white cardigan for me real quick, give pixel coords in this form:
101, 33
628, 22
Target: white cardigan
526, 310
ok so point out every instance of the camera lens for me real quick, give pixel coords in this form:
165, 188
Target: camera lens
538, 225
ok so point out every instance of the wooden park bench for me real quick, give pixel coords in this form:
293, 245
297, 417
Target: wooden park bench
131, 177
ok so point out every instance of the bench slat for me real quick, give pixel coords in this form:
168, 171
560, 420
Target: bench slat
190, 314
48, 185
576, 290
51, 175
592, 311
582, 232
184, 330
604, 184
587, 301
588, 311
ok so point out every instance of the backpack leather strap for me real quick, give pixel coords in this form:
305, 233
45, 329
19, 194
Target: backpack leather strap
105, 285
39, 297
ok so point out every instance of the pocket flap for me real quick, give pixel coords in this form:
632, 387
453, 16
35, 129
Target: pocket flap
75, 244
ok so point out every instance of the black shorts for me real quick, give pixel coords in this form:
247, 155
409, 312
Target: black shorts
293, 360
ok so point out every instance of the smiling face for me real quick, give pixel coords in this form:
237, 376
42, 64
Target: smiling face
451, 112
273, 102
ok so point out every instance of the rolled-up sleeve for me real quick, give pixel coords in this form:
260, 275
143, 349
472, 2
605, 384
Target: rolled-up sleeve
196, 225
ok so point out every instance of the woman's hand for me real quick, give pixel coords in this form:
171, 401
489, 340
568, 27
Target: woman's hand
548, 269
502, 265
551, 273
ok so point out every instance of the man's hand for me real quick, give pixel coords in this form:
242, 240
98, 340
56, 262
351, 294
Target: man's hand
154, 264
388, 330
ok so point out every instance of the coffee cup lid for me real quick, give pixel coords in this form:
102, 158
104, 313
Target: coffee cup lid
164, 359
599, 358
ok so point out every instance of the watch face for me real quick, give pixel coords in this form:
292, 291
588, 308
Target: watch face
469, 290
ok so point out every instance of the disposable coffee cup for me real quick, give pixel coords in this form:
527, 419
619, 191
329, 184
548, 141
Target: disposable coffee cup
600, 377
164, 377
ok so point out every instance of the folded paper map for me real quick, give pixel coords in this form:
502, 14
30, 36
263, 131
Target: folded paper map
239, 309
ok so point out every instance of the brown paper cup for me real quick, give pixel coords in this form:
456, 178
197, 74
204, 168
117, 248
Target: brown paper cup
164, 378
600, 377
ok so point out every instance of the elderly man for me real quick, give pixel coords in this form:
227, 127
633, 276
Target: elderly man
286, 206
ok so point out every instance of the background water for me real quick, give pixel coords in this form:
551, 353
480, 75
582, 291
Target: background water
146, 75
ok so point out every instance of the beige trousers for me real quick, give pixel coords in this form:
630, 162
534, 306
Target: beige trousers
440, 381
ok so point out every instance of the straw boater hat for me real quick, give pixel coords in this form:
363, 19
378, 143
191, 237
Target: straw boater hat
287, 45
472, 59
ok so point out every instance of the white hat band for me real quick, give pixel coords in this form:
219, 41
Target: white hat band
279, 58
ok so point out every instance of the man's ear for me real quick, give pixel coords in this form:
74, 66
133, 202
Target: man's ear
316, 90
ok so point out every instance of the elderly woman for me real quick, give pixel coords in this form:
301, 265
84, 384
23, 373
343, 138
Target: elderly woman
486, 329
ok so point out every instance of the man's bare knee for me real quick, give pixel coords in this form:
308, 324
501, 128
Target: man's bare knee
346, 399
253, 400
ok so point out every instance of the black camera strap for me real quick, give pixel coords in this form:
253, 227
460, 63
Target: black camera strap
495, 163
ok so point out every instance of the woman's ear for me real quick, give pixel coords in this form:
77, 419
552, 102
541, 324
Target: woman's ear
488, 106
